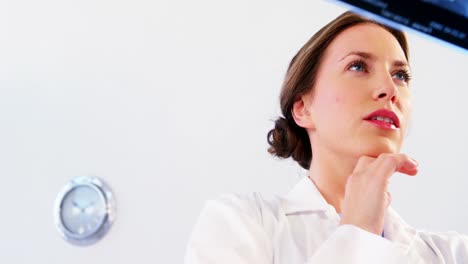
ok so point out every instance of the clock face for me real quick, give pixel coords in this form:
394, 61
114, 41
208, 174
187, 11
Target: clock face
83, 210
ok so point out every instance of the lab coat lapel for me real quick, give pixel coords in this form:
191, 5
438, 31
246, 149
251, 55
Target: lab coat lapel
398, 231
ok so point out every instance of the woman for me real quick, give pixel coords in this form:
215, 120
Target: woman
346, 106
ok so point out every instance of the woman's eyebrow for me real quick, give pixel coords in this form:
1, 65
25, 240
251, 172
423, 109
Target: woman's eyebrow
399, 63
365, 55
372, 57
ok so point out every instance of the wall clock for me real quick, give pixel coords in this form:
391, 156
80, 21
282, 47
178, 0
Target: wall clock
84, 210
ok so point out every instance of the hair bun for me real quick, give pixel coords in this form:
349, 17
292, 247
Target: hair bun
287, 139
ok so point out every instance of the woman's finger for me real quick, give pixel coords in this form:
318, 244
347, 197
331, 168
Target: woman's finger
388, 164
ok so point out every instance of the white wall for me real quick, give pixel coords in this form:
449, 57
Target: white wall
170, 103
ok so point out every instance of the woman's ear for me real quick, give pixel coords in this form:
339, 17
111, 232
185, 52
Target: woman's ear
301, 113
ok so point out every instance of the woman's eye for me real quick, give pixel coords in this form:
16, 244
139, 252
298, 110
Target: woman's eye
402, 76
358, 66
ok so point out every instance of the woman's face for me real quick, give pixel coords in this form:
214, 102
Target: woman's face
363, 70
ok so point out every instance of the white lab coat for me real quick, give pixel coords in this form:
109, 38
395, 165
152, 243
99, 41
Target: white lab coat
302, 227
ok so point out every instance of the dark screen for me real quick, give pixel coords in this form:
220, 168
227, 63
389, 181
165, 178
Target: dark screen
446, 20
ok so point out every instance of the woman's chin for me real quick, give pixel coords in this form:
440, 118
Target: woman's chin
375, 150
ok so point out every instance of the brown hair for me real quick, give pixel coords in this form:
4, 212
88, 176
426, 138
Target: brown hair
287, 139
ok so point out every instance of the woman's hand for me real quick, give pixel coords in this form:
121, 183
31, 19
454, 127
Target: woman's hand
366, 196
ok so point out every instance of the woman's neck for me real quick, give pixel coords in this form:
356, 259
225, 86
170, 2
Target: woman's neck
330, 172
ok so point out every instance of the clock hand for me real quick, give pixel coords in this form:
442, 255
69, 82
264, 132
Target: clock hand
75, 204
90, 204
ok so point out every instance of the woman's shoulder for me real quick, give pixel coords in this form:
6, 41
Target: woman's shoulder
237, 227
252, 211
450, 246
395, 218
254, 204
450, 239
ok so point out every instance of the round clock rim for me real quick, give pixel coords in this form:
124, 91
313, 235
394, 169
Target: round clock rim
106, 221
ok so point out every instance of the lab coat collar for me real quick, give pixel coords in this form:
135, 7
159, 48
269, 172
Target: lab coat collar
305, 197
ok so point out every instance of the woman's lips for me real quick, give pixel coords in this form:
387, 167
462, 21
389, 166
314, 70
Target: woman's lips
384, 118
382, 124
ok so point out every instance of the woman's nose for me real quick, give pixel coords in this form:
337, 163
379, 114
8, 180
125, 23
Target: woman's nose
386, 90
